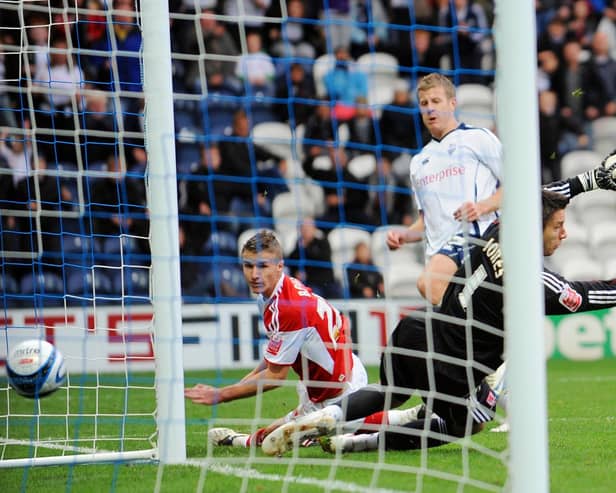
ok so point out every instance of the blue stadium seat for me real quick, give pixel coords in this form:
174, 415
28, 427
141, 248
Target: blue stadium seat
8, 289
87, 282
46, 288
221, 243
218, 113
226, 281
131, 281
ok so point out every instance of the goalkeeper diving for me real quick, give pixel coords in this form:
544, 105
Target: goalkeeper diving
460, 401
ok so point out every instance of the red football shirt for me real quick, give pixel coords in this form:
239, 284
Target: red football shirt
309, 334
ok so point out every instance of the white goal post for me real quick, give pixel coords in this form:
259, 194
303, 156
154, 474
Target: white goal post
163, 331
516, 86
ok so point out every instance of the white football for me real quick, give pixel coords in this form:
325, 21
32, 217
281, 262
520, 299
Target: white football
35, 368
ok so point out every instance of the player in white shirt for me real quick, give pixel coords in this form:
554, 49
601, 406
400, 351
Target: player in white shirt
305, 333
456, 186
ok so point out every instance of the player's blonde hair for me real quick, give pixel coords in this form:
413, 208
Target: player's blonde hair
436, 80
263, 241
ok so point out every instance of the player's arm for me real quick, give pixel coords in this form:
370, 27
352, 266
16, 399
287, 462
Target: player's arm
601, 177
264, 380
563, 296
472, 211
399, 236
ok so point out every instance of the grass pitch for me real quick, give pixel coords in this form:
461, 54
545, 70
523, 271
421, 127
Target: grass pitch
582, 438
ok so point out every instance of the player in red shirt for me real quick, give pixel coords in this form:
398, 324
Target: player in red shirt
305, 333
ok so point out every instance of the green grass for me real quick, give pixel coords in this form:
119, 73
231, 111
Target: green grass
582, 440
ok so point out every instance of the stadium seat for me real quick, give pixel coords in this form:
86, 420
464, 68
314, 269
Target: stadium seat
88, 282
226, 281
401, 280
8, 289
575, 162
221, 243
596, 206
217, 112
363, 166
47, 288
603, 132
602, 239
382, 72
131, 281
342, 240
322, 65
609, 269
380, 68
582, 269
383, 257
276, 137
475, 105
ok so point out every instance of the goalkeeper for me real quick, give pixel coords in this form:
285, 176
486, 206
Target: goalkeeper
407, 368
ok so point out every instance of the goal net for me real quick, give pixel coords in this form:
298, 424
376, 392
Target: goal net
261, 132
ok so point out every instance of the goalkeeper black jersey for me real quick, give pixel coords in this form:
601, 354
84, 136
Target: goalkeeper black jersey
469, 323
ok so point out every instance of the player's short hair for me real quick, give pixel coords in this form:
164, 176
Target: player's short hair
552, 202
437, 80
263, 241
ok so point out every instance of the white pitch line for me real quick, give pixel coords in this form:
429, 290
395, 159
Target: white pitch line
242, 472
606, 378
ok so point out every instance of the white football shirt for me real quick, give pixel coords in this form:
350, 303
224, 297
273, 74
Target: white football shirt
464, 166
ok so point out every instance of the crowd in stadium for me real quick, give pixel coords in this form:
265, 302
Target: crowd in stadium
231, 76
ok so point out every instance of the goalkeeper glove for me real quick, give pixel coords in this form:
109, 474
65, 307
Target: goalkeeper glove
603, 176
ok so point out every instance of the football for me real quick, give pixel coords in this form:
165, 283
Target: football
35, 368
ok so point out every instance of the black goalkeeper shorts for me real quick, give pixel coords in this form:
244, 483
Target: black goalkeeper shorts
405, 364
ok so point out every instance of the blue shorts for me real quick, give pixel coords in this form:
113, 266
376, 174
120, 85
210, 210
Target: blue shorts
458, 247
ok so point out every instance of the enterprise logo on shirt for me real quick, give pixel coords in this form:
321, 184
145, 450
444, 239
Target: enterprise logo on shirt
440, 176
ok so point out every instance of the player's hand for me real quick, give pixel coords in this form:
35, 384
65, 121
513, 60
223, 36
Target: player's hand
395, 239
468, 211
605, 175
203, 394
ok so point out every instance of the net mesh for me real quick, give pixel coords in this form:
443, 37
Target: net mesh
266, 137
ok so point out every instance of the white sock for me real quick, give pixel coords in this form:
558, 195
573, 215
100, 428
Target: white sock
359, 443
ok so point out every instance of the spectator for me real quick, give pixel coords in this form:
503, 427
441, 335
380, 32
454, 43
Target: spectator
345, 197
294, 39
297, 85
570, 80
401, 34
216, 40
426, 55
203, 199
97, 118
470, 30
42, 193
118, 206
363, 277
345, 84
600, 87
362, 133
240, 157
582, 24
256, 68
250, 11
400, 126
553, 131
554, 38
607, 25
549, 70
336, 16
312, 258
63, 76
369, 28
126, 39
